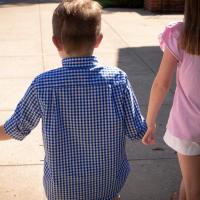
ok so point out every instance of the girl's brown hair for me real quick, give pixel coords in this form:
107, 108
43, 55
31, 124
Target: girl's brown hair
77, 24
190, 40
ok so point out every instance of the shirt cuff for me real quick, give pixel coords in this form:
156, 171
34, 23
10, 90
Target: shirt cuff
12, 130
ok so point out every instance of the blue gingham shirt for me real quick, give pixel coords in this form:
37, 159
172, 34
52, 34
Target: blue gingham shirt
86, 111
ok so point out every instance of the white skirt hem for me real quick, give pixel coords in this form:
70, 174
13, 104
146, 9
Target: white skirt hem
183, 147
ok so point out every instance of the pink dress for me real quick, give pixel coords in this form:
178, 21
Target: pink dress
184, 118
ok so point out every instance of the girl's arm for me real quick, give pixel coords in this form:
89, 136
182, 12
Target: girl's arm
3, 134
159, 90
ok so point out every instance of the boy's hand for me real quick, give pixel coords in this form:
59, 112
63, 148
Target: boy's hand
149, 137
3, 134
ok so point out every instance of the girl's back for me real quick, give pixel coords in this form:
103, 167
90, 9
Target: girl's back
181, 44
185, 112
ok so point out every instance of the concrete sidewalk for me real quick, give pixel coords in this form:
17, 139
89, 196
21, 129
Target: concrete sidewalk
130, 42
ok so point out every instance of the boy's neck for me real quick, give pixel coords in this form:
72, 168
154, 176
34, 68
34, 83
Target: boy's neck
64, 55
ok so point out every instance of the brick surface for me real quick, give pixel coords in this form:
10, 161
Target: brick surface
164, 6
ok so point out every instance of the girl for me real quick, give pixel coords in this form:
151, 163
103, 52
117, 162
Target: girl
181, 45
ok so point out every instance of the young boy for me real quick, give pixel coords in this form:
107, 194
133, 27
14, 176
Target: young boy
86, 111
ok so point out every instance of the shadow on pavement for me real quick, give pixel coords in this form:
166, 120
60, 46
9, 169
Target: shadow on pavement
137, 59
141, 65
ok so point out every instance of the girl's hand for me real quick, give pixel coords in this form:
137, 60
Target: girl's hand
149, 137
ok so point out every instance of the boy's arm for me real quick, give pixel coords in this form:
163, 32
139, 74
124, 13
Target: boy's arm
159, 90
3, 134
135, 125
26, 116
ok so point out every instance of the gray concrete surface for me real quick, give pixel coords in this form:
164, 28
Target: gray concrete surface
131, 43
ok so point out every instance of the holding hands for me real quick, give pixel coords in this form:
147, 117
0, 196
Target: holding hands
149, 137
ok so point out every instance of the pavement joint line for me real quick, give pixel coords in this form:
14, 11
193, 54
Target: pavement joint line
6, 110
164, 104
29, 55
13, 40
22, 55
134, 159
150, 159
41, 35
19, 56
22, 165
19, 77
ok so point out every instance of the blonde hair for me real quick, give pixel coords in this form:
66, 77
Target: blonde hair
77, 24
190, 38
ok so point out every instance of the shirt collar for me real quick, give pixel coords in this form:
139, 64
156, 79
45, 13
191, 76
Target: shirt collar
89, 61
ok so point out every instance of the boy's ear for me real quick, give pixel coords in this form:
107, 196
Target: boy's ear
99, 39
57, 43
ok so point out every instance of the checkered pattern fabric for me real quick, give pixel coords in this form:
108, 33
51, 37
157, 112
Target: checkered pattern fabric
86, 111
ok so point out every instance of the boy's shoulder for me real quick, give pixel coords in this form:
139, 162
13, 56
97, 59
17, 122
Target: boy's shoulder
49, 76
60, 75
111, 74
113, 71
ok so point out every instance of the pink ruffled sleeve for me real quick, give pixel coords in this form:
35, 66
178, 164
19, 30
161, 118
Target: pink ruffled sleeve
170, 37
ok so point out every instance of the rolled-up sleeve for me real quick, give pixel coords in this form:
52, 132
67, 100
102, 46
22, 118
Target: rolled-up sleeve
135, 124
26, 116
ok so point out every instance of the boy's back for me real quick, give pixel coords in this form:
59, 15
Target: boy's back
86, 111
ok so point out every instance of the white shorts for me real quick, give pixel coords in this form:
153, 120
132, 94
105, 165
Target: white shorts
183, 147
